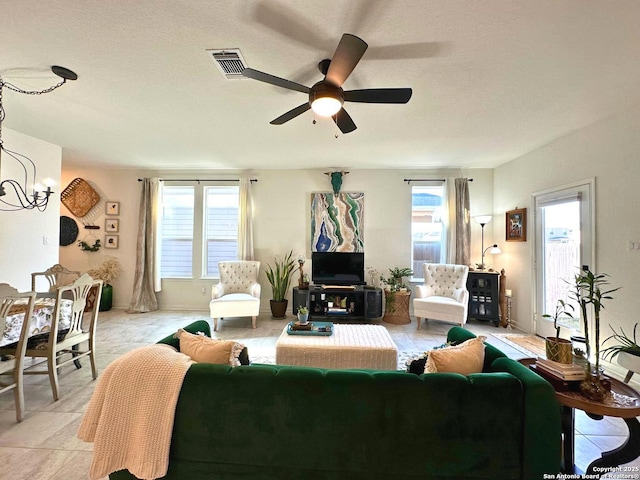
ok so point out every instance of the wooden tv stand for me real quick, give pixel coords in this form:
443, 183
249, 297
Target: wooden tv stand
338, 303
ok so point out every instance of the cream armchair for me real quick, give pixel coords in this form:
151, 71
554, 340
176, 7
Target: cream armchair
238, 292
444, 295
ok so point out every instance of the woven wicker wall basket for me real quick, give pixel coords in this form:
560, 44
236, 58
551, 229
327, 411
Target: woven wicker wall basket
79, 197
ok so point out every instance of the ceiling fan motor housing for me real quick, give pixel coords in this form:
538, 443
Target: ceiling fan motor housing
324, 89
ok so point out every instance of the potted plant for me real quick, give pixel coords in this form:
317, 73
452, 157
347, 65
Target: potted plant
107, 272
589, 291
279, 276
303, 315
393, 284
627, 350
559, 349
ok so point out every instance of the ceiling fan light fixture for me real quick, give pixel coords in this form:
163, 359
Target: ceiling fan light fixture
325, 99
326, 106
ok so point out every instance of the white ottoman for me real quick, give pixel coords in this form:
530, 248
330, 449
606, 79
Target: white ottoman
350, 346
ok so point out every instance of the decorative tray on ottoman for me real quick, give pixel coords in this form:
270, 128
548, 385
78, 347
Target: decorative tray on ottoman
317, 328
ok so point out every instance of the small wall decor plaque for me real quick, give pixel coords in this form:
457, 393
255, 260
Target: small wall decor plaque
516, 226
111, 225
113, 208
111, 241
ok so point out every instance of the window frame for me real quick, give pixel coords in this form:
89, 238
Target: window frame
199, 259
417, 272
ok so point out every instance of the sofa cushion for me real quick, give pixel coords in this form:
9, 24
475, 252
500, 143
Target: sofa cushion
466, 358
203, 349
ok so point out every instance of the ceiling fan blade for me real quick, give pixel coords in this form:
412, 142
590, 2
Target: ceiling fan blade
407, 51
273, 80
346, 57
291, 114
344, 121
379, 95
288, 23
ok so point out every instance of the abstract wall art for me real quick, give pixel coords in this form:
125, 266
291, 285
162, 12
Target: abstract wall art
336, 222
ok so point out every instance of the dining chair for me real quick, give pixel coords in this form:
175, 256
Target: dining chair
71, 341
12, 302
56, 276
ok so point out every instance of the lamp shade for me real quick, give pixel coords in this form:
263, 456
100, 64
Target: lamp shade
483, 219
495, 250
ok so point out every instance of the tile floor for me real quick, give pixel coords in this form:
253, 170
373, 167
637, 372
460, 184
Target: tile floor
44, 445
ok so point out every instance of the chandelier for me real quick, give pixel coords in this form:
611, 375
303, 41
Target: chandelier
24, 193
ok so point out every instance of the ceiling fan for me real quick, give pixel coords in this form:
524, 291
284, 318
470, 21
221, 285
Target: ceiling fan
326, 97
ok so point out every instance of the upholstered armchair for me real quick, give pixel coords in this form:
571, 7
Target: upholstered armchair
238, 292
444, 295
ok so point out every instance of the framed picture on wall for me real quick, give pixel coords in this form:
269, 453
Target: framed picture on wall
111, 241
111, 225
516, 226
113, 208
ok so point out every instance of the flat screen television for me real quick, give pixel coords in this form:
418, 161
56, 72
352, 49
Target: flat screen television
337, 268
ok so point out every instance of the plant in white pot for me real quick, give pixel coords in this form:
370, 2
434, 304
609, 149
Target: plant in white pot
559, 349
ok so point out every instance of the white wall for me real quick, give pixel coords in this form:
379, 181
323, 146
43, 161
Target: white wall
22, 233
282, 209
608, 151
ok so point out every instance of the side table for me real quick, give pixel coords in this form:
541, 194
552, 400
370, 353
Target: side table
397, 311
624, 403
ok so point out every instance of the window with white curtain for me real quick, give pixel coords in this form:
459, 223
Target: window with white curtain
199, 229
428, 235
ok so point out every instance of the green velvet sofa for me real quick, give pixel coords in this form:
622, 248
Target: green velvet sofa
267, 422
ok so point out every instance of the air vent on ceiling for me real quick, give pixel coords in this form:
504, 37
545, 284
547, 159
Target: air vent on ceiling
229, 61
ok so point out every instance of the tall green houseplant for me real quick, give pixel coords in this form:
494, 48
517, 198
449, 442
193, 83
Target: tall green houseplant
279, 276
589, 291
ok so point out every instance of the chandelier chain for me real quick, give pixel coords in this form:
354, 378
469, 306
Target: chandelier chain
25, 199
11, 86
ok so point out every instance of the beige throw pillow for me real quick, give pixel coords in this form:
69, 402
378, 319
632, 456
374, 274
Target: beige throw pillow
203, 349
466, 358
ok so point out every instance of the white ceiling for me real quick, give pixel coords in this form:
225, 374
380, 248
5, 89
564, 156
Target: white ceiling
492, 80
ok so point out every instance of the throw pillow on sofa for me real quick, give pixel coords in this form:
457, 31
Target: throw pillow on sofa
465, 358
203, 349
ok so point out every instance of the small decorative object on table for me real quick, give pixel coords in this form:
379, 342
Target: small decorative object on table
311, 328
303, 281
303, 315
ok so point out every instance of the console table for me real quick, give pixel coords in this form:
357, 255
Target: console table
336, 303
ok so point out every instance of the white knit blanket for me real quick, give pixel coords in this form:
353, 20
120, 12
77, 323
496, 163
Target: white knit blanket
130, 415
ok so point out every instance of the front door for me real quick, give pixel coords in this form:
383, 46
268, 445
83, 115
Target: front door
563, 246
